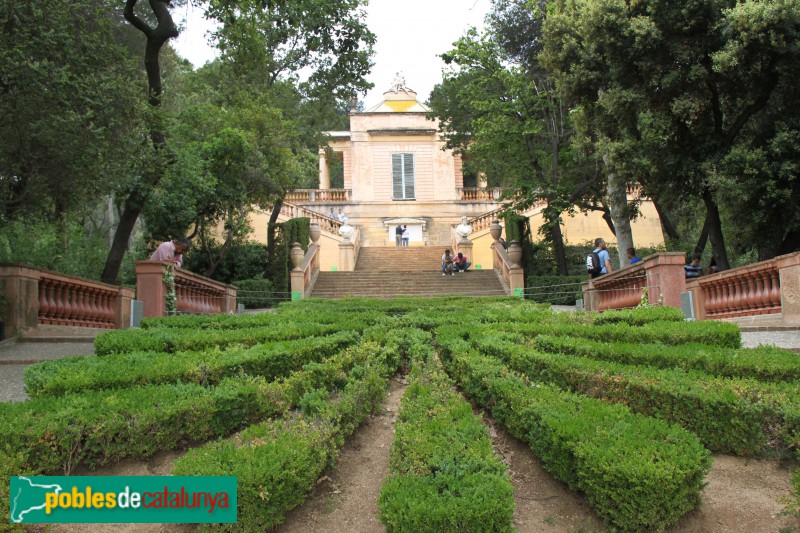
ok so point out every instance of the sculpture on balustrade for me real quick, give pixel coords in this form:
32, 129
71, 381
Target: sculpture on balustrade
464, 230
346, 231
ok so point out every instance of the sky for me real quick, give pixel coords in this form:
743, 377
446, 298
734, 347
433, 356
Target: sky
410, 34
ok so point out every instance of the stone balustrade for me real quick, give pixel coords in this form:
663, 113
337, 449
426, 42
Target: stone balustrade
485, 220
766, 288
195, 294
661, 274
305, 271
313, 196
325, 223
38, 296
508, 270
479, 194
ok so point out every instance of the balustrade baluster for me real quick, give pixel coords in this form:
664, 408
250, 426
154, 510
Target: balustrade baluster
93, 305
66, 292
80, 309
51, 302
750, 292
736, 295
710, 297
44, 305
764, 302
775, 290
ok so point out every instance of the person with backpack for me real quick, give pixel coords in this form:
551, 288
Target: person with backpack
447, 263
598, 262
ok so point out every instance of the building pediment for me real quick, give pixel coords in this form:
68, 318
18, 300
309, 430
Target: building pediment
405, 221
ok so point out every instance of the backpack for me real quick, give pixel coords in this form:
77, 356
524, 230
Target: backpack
593, 265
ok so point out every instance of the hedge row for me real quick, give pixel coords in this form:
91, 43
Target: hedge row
637, 472
55, 378
766, 363
640, 316
740, 416
278, 462
99, 427
171, 340
444, 475
224, 321
671, 333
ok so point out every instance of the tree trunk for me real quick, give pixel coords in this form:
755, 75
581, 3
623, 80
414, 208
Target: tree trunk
666, 223
701, 241
559, 250
618, 205
156, 38
715, 231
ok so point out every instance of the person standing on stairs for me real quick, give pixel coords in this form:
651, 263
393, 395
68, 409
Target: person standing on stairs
406, 235
448, 266
398, 235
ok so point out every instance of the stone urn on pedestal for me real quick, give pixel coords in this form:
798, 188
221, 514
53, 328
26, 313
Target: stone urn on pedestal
314, 231
515, 252
296, 255
495, 229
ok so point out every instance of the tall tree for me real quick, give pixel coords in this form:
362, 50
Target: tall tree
502, 113
69, 107
682, 88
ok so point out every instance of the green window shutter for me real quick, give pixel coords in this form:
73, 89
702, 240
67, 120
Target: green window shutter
397, 176
408, 175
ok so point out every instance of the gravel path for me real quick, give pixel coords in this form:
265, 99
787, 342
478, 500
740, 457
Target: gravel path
783, 339
14, 357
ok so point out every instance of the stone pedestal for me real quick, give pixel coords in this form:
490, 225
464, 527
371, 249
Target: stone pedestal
150, 288
347, 256
665, 277
465, 247
789, 271
298, 284
122, 308
20, 285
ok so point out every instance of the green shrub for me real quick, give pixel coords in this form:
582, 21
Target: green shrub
434, 483
62, 376
670, 333
98, 427
637, 472
556, 290
793, 501
277, 463
739, 416
764, 363
640, 316
171, 340
256, 293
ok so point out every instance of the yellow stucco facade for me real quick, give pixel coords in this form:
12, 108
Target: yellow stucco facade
396, 171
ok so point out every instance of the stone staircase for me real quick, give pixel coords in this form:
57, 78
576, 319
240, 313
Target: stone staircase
412, 271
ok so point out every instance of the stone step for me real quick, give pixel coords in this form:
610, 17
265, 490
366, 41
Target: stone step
385, 284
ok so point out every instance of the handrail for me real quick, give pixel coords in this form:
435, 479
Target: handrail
621, 289
38, 296
304, 276
480, 194
749, 290
194, 293
312, 196
325, 223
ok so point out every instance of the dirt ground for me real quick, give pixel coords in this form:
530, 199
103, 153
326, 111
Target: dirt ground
741, 496
347, 501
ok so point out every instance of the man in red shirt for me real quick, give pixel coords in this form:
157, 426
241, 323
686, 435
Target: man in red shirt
461, 262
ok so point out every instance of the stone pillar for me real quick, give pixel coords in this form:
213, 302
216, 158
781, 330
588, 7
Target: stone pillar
298, 284
228, 304
589, 300
698, 299
122, 308
665, 276
324, 172
465, 247
20, 285
150, 288
517, 280
347, 256
789, 272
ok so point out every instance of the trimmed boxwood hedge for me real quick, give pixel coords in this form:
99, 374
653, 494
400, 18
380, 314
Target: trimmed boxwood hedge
766, 363
98, 427
444, 475
279, 461
741, 416
637, 472
62, 376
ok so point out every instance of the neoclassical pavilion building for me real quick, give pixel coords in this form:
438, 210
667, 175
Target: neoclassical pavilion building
395, 170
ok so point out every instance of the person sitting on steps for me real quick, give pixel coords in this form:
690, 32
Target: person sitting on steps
461, 262
447, 263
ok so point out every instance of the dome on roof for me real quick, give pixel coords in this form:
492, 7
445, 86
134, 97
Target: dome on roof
399, 99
